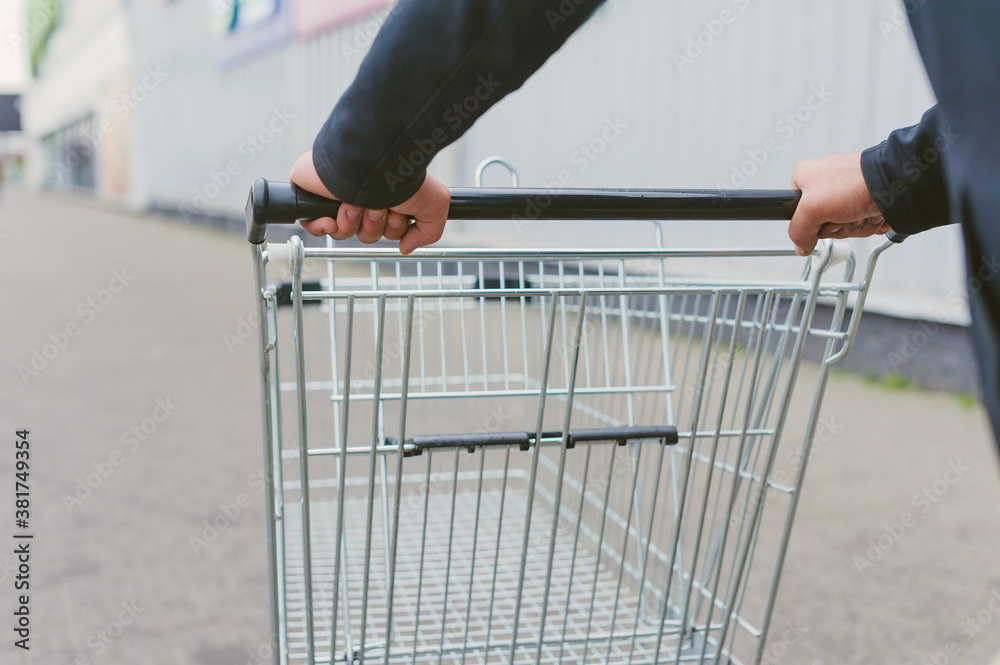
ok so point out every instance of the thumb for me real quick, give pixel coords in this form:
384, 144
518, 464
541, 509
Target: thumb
304, 175
803, 230
420, 234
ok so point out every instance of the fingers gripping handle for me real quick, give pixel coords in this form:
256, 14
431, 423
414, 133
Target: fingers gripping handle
284, 203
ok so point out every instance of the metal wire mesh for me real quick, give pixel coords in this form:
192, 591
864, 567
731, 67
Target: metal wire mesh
631, 549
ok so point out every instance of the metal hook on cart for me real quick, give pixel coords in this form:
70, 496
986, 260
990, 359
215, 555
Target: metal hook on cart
495, 159
859, 306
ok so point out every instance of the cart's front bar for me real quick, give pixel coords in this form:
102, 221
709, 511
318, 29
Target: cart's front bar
284, 203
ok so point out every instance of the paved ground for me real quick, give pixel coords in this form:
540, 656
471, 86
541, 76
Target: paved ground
121, 553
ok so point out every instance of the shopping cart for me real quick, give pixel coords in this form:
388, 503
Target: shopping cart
539, 455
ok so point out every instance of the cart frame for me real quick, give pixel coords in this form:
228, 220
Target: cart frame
721, 314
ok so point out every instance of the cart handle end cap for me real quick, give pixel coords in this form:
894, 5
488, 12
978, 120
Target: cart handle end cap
282, 203
256, 211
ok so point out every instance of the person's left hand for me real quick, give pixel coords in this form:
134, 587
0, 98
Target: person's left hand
835, 202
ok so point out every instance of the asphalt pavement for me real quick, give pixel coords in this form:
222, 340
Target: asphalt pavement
143, 420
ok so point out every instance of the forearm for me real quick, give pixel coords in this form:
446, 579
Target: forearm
905, 175
434, 68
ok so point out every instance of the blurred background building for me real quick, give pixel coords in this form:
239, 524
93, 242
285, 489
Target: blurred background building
13, 143
175, 105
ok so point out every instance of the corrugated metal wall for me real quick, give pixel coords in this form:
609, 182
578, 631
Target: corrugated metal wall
678, 123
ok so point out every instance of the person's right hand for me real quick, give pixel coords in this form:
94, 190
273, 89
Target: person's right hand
835, 202
416, 222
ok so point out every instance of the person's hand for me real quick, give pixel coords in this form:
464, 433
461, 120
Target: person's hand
416, 222
835, 202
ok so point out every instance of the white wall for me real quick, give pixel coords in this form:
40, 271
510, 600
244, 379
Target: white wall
685, 129
689, 125
14, 63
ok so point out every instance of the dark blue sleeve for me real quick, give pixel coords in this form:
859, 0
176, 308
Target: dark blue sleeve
905, 175
433, 69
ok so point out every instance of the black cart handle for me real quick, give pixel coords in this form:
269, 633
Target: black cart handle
284, 203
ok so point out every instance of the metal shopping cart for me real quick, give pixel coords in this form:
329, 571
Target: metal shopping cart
538, 455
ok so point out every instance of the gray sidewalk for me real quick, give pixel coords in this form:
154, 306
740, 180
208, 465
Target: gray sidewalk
127, 355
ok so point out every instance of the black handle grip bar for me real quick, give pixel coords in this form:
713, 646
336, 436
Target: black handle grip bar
284, 203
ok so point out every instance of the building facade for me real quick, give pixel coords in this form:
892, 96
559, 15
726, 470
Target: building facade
178, 105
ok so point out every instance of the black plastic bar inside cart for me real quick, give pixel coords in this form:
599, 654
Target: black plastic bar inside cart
524, 440
470, 442
667, 433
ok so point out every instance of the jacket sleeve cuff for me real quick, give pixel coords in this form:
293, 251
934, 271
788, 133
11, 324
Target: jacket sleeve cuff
352, 193
886, 197
905, 175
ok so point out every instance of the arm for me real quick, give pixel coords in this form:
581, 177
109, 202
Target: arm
434, 69
897, 185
